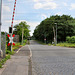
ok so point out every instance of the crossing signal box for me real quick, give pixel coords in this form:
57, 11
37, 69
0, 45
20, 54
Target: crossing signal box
10, 29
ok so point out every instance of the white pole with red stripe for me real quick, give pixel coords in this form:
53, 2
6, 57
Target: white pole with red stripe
12, 22
13, 13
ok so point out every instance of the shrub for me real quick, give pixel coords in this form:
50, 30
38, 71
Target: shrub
25, 41
10, 52
70, 39
66, 45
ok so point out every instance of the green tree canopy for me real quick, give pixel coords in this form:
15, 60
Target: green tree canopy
18, 30
65, 27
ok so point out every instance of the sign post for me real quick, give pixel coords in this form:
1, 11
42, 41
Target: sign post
0, 22
11, 40
11, 28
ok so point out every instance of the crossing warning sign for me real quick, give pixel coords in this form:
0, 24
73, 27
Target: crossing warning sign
11, 40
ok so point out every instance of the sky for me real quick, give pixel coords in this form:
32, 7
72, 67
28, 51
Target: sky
34, 11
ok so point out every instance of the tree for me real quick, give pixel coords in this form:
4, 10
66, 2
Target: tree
65, 27
22, 27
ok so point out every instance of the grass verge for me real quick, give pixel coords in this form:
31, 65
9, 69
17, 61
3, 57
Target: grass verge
2, 62
71, 45
8, 53
41, 42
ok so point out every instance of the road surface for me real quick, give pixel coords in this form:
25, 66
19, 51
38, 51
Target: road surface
52, 60
18, 64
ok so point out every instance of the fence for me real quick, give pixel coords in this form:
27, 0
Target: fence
3, 44
16, 38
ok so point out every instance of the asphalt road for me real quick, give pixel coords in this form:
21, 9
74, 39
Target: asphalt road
52, 60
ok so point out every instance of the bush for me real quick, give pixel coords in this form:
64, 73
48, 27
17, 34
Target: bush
8, 57
66, 45
24, 41
10, 52
49, 44
70, 39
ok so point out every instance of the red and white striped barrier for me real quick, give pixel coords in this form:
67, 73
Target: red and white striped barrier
13, 13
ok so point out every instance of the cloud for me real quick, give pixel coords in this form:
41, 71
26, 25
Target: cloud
38, 6
32, 26
10, 0
7, 23
6, 8
65, 4
14, 23
42, 0
58, 13
45, 4
72, 6
43, 16
36, 0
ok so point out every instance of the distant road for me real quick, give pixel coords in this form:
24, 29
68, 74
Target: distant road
52, 60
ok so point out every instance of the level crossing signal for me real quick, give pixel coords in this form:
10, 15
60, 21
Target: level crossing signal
11, 40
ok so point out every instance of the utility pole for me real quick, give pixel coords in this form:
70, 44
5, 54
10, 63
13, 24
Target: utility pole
54, 36
56, 33
0, 21
22, 34
0, 27
45, 37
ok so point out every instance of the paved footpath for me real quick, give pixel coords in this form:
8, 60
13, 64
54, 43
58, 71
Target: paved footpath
18, 64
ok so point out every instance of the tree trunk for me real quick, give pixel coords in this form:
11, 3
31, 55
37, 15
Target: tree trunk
54, 36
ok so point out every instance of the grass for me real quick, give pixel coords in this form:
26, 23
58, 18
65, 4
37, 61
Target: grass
49, 44
24, 44
8, 53
72, 45
4, 60
17, 45
41, 42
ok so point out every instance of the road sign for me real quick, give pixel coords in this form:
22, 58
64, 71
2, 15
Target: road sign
11, 40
